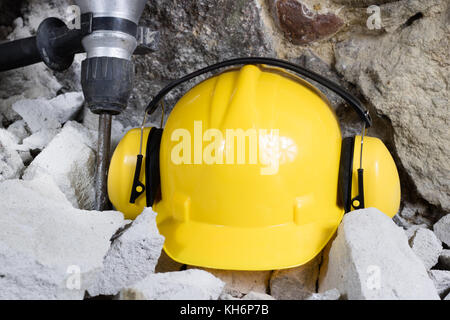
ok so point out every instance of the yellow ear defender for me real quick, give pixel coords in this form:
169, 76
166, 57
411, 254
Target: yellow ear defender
235, 215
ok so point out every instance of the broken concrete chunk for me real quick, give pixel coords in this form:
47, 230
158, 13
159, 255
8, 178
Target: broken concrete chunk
411, 231
296, 283
426, 246
441, 279
48, 249
25, 278
70, 160
415, 215
133, 256
193, 284
18, 129
444, 259
442, 229
11, 164
371, 259
41, 114
67, 105
332, 294
39, 140
239, 283
252, 295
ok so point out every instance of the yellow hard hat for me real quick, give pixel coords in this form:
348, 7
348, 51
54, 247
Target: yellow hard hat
250, 164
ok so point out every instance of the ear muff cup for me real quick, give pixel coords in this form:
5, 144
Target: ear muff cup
152, 176
345, 173
381, 181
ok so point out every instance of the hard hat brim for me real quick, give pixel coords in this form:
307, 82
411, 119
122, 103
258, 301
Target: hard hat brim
233, 248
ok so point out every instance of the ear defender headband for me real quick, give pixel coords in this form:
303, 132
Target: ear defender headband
152, 178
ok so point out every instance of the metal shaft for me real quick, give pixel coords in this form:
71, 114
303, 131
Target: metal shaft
103, 157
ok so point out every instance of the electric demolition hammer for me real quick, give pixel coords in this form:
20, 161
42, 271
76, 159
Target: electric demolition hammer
109, 34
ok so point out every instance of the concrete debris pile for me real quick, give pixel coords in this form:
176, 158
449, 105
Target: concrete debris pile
52, 246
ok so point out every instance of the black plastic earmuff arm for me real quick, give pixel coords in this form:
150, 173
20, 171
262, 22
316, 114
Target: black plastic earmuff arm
358, 201
138, 187
351, 99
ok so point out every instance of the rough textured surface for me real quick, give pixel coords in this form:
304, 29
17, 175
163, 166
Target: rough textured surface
300, 24
43, 236
444, 259
40, 139
11, 164
295, 283
363, 3
371, 259
191, 284
133, 256
19, 129
441, 279
70, 160
389, 71
426, 246
194, 34
411, 231
442, 229
252, 295
239, 283
332, 294
403, 13
42, 114
24, 83
417, 213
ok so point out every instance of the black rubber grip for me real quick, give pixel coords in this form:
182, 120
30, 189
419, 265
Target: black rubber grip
19, 53
107, 83
138, 187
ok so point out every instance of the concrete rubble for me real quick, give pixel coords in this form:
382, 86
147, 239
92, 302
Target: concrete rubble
441, 279
332, 294
444, 259
48, 249
426, 246
18, 128
11, 163
42, 114
240, 283
442, 229
52, 248
295, 283
193, 284
70, 160
252, 295
132, 256
371, 259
